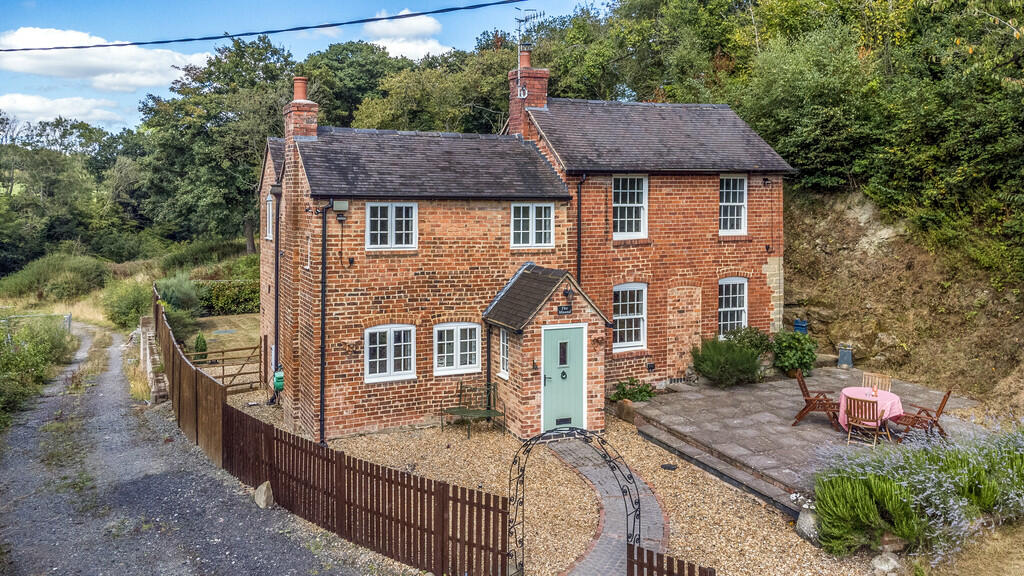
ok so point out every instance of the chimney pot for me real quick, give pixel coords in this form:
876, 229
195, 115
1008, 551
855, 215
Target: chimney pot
300, 87
524, 58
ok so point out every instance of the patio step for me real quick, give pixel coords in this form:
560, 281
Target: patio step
741, 479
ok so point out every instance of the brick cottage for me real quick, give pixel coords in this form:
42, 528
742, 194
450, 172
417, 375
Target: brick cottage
591, 242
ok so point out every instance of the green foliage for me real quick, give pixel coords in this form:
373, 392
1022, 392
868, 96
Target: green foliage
926, 491
725, 362
794, 351
199, 346
242, 268
751, 338
182, 322
28, 352
57, 276
632, 390
125, 302
230, 297
180, 293
198, 252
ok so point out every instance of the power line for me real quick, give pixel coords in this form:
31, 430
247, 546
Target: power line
278, 31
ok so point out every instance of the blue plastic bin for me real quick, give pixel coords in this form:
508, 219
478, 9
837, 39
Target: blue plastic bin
800, 326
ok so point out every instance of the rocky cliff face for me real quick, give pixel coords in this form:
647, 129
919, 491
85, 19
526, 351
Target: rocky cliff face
916, 314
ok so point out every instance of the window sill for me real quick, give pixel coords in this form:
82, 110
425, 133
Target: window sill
538, 249
458, 372
630, 353
503, 375
735, 238
392, 252
390, 379
626, 242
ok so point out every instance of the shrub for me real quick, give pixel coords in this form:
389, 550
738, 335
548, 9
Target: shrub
794, 351
725, 362
632, 390
245, 267
27, 357
124, 302
180, 292
59, 276
230, 297
750, 338
200, 252
199, 346
182, 322
928, 492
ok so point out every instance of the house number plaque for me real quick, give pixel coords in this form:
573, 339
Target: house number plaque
563, 310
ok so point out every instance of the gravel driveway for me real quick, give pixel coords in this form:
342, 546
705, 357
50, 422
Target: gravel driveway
92, 483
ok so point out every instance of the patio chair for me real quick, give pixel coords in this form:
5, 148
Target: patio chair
924, 419
865, 416
881, 381
815, 401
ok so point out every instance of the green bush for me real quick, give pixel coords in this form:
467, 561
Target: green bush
200, 252
725, 362
750, 338
245, 267
632, 390
57, 276
180, 292
199, 346
230, 297
28, 353
795, 351
182, 322
125, 302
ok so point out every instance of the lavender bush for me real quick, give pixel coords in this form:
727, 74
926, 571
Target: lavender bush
933, 493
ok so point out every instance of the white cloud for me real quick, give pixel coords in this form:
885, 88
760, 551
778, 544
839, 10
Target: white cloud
409, 37
123, 69
33, 108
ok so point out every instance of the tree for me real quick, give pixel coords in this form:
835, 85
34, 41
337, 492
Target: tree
344, 75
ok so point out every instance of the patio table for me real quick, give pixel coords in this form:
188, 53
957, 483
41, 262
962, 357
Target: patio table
887, 401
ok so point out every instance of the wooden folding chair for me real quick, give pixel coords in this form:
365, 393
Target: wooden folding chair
924, 419
815, 401
864, 415
881, 381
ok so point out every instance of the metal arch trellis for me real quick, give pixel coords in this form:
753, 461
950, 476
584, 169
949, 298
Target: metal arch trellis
517, 488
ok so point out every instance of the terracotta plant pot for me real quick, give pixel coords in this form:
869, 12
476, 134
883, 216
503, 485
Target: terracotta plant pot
791, 372
624, 410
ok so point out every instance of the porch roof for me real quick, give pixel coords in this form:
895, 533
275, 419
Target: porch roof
526, 293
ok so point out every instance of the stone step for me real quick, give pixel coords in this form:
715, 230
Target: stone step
741, 479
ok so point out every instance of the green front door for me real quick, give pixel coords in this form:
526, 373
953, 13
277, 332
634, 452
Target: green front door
564, 375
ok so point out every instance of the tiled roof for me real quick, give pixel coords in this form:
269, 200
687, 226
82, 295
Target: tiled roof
598, 135
524, 295
387, 163
276, 148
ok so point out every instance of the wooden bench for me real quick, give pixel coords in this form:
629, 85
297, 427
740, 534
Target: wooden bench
471, 405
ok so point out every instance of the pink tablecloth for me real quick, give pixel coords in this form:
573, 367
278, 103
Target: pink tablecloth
887, 401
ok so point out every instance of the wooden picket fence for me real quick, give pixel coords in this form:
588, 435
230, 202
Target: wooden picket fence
427, 524
643, 562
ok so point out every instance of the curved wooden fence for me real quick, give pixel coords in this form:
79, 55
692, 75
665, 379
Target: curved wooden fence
427, 524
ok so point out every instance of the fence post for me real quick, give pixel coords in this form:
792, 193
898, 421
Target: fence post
195, 400
268, 454
441, 528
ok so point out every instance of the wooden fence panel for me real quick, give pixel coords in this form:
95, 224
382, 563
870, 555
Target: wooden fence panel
211, 400
643, 562
188, 404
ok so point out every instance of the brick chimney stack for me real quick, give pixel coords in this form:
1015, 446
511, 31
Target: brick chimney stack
528, 88
300, 114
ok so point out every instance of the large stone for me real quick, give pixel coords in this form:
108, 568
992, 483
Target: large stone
885, 563
264, 495
807, 525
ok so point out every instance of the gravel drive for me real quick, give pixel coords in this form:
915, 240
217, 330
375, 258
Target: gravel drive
132, 496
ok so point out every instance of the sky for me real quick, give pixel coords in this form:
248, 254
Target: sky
104, 86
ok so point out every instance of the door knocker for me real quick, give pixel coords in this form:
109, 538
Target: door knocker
564, 375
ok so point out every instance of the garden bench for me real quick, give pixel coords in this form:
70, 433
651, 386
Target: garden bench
472, 404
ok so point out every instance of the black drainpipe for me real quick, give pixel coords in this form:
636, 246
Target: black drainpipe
579, 228
489, 385
275, 363
323, 315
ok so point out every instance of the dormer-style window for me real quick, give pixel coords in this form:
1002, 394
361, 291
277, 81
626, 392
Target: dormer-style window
629, 207
732, 204
533, 225
270, 217
391, 226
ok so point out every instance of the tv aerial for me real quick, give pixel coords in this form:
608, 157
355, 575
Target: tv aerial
526, 17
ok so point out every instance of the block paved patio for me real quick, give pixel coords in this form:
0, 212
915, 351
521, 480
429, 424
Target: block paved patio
744, 434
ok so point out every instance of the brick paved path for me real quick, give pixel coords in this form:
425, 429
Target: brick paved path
609, 554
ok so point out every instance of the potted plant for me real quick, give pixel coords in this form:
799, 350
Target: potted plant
794, 351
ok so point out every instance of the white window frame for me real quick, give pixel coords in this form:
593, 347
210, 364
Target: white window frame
390, 375
643, 209
270, 218
642, 343
734, 280
532, 231
742, 231
391, 226
457, 340
503, 349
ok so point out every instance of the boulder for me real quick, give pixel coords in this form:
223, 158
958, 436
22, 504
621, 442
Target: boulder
807, 525
885, 563
264, 496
